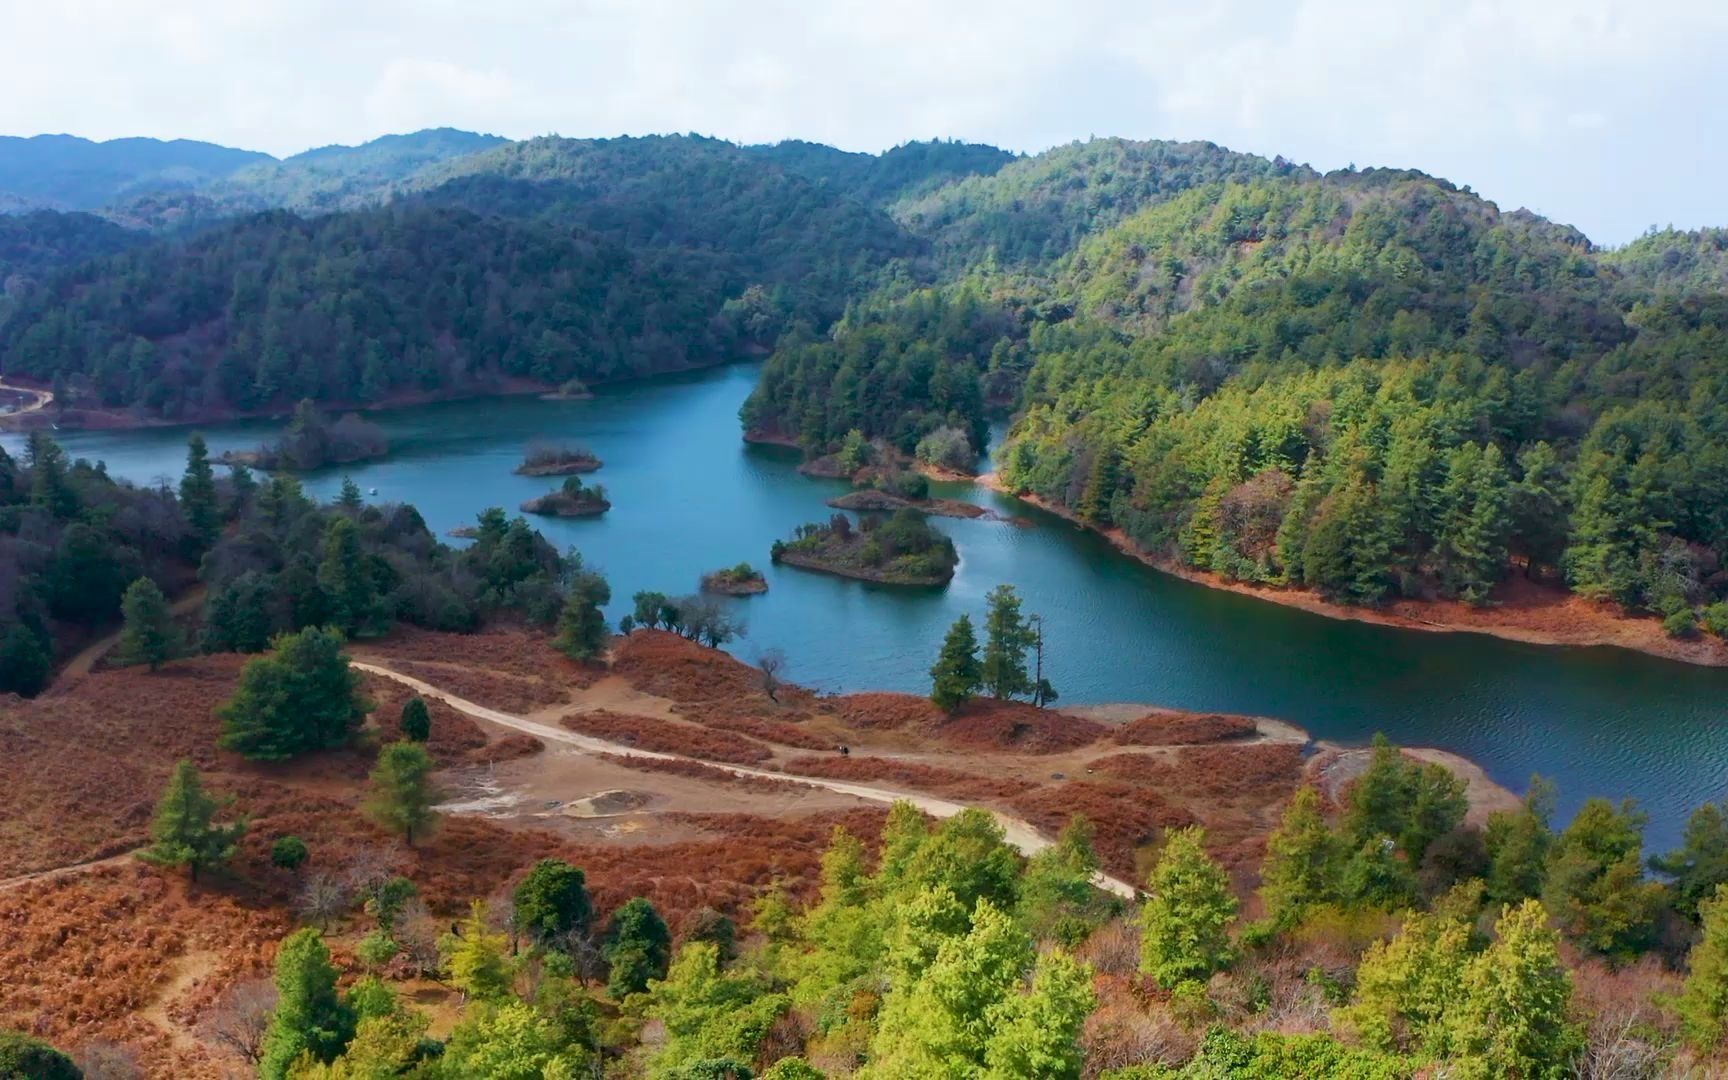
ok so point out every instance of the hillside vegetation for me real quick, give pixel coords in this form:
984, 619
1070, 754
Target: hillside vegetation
1371, 384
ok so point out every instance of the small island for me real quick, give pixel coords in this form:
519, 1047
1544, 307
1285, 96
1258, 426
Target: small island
901, 550
887, 489
313, 441
740, 580
570, 390
557, 459
570, 501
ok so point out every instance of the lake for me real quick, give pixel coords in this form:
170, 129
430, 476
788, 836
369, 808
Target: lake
689, 496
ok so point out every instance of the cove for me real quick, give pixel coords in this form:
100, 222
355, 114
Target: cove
689, 496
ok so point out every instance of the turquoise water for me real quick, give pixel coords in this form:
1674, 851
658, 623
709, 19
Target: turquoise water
688, 496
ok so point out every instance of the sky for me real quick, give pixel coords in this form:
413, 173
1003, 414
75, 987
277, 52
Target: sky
1611, 115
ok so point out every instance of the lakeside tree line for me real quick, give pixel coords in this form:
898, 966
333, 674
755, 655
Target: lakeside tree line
1373, 384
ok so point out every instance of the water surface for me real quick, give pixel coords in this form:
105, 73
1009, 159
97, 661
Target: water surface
688, 496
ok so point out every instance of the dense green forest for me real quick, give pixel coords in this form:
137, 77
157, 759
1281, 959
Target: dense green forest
1371, 383
73, 540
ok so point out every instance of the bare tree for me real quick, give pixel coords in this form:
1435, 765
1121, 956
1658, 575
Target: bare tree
104, 1060
239, 1018
772, 664
323, 897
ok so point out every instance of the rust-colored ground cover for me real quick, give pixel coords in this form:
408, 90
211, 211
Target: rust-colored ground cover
911, 775
667, 736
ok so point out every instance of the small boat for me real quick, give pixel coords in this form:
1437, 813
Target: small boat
371, 491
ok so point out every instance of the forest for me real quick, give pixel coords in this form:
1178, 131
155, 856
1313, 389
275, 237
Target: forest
1372, 384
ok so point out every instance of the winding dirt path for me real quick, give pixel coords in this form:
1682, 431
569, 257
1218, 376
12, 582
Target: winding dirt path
40, 399
66, 871
84, 661
1026, 839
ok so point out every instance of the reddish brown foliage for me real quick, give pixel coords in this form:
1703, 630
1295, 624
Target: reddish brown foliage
885, 712
695, 770
1174, 729
83, 956
1124, 817
911, 774
662, 663
667, 736
510, 693
774, 731
1016, 725
522, 653
455, 737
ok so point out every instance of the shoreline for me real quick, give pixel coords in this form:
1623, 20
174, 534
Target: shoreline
1529, 613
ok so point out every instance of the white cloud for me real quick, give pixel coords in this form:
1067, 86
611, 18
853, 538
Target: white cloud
1600, 112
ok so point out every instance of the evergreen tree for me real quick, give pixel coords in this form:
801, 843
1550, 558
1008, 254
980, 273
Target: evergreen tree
474, 958
1007, 636
245, 487
288, 852
310, 1017
1537, 508
416, 720
939, 1024
1518, 843
50, 488
25, 662
552, 902
1302, 861
402, 793
349, 500
149, 636
198, 495
25, 1058
345, 580
1406, 988
1595, 883
1510, 1016
957, 673
637, 947
1700, 866
709, 1014
581, 623
1185, 925
303, 696
1037, 1034
1056, 888
1703, 1004
1406, 801
237, 615
184, 832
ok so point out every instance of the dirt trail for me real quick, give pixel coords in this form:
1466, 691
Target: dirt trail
40, 399
1020, 834
66, 871
84, 661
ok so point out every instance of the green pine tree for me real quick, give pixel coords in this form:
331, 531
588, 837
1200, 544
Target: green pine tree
552, 902
1509, 1016
184, 832
1007, 637
637, 947
303, 696
957, 674
149, 636
198, 495
310, 1017
416, 720
1703, 1004
581, 624
1302, 861
1185, 925
401, 793
345, 579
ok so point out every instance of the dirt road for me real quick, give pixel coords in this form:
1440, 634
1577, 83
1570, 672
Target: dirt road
1026, 839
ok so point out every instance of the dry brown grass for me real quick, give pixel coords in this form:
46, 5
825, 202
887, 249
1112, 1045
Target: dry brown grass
913, 775
505, 651
1015, 726
667, 737
1126, 818
454, 736
885, 712
695, 770
1174, 729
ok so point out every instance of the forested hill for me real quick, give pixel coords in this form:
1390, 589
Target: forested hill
68, 173
1369, 383
355, 307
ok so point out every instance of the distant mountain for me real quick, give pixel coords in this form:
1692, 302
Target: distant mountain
713, 210
344, 177
911, 169
64, 172
1673, 259
41, 241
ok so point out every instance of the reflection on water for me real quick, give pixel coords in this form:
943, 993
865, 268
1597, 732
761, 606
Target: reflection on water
688, 497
